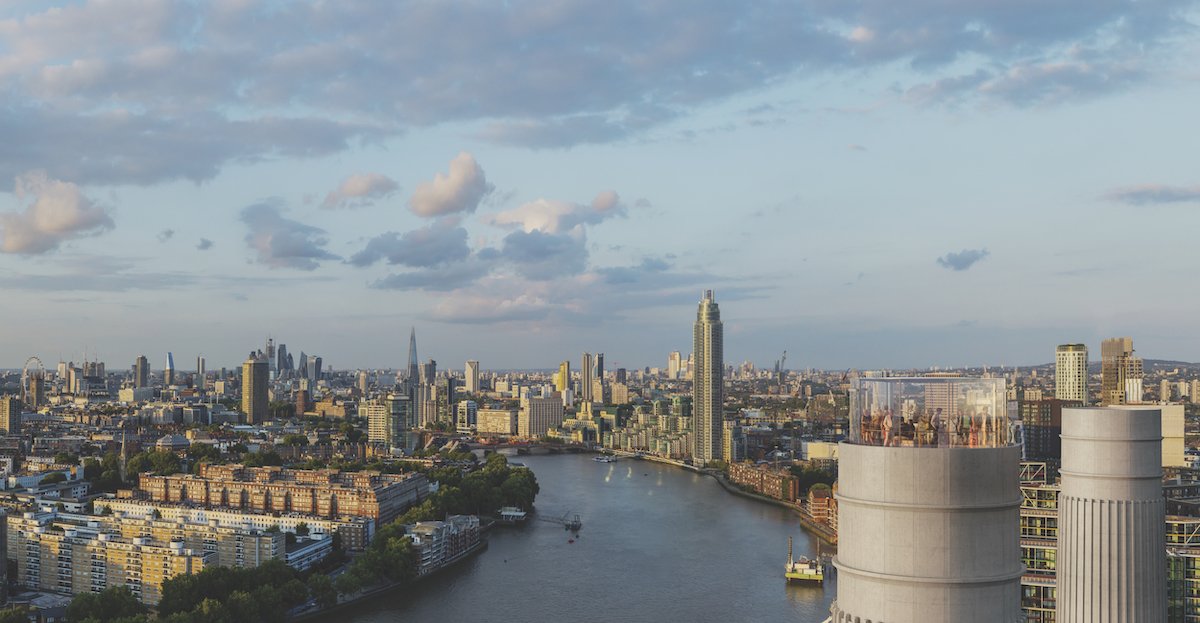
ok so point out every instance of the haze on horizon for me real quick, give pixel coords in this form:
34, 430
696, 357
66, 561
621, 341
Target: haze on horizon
943, 184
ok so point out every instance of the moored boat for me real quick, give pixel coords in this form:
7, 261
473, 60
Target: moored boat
803, 569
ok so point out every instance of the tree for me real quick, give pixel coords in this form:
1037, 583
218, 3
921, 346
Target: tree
108, 605
52, 478
294, 439
322, 590
14, 615
302, 529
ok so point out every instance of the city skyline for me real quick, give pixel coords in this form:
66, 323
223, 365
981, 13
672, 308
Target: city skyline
524, 182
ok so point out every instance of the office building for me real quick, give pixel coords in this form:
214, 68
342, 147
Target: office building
1071, 373
363, 382
496, 421
141, 372
928, 504
1041, 425
387, 419
539, 415
472, 377
599, 366
585, 378
466, 414
255, 398
1120, 372
413, 373
1173, 436
169, 371
10, 415
708, 384
562, 378
200, 373
674, 364
1112, 547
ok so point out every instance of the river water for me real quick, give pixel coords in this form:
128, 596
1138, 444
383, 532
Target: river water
658, 544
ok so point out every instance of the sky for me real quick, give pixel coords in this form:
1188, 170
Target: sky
864, 184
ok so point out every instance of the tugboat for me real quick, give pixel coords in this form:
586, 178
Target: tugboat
803, 569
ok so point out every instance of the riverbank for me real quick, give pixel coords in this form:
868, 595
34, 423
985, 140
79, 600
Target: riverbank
371, 594
817, 529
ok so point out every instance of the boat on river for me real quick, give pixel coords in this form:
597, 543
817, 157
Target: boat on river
803, 569
605, 458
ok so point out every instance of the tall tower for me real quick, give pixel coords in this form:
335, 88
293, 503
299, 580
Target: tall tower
562, 380
10, 415
255, 377
708, 381
413, 373
928, 504
200, 372
169, 371
600, 366
585, 378
1071, 372
1111, 543
1120, 372
141, 372
674, 364
472, 377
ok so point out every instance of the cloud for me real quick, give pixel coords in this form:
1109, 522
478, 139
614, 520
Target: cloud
489, 310
165, 235
633, 274
539, 255
204, 244
441, 242
1150, 194
555, 217
459, 191
181, 89
963, 259
439, 278
57, 212
360, 190
282, 242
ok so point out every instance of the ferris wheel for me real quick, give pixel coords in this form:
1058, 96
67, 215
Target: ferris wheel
35, 365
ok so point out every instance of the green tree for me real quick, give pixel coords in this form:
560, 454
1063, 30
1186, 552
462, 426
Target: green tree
52, 478
322, 590
19, 614
110, 604
294, 439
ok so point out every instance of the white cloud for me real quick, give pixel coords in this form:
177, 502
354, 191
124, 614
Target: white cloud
57, 212
360, 190
555, 217
459, 191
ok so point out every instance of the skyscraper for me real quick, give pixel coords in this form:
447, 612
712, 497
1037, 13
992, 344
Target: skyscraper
472, 377
928, 504
282, 363
562, 378
169, 371
387, 419
1120, 372
255, 377
585, 378
1111, 544
1071, 373
674, 364
200, 372
141, 372
10, 415
708, 385
412, 357
600, 366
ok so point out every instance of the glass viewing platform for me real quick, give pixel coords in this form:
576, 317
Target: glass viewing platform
931, 412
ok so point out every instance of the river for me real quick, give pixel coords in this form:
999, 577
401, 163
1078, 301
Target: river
658, 544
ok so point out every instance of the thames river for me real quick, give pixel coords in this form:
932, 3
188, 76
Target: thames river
658, 543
